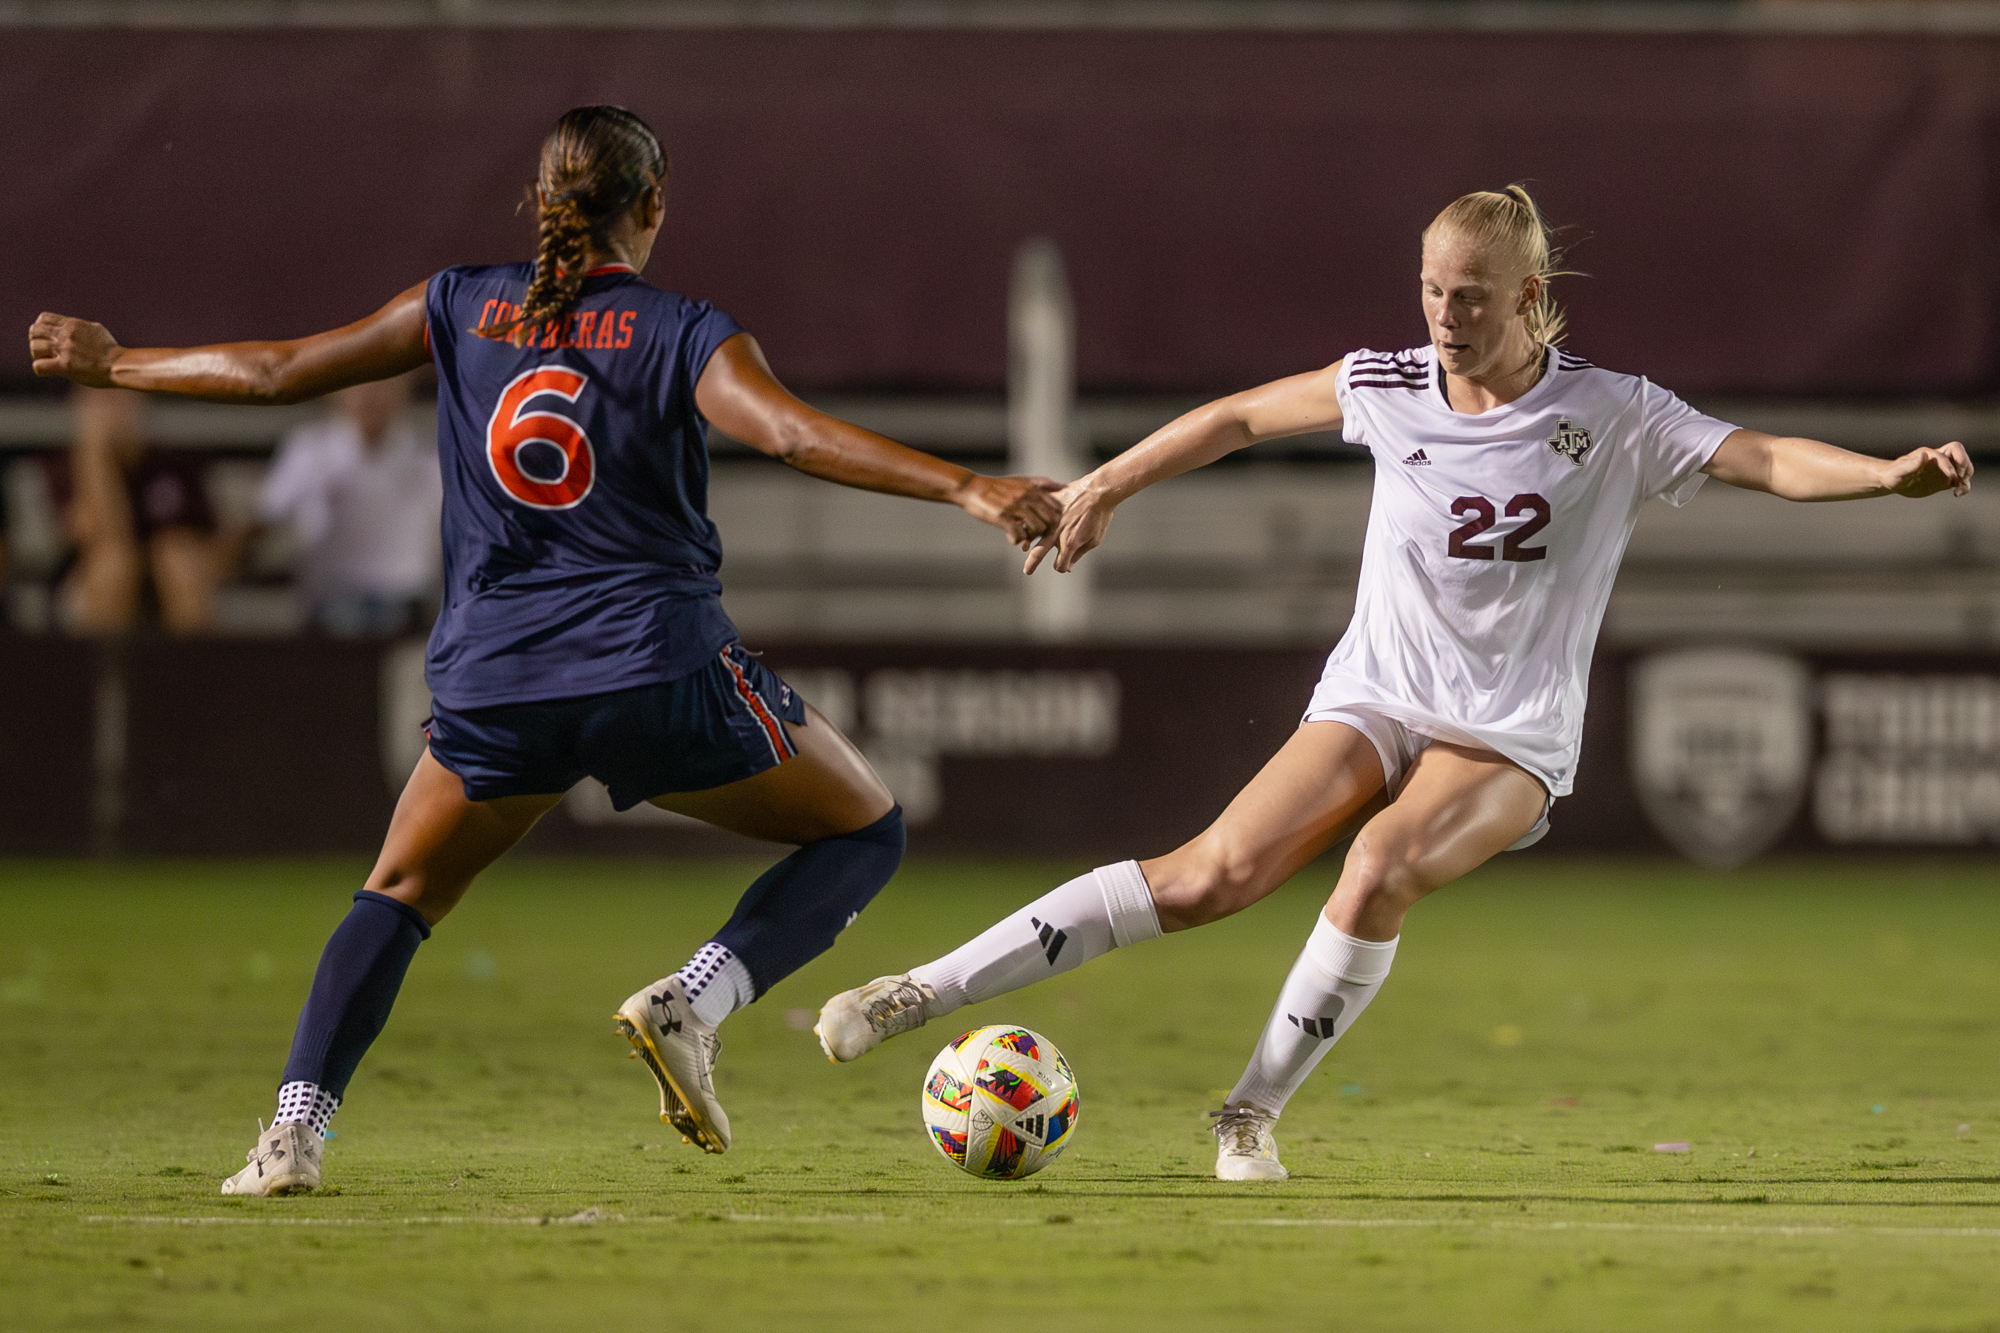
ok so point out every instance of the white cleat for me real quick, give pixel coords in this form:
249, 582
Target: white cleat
285, 1161
856, 1021
680, 1049
1245, 1147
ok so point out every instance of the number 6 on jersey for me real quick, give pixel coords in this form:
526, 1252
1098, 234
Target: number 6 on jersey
566, 463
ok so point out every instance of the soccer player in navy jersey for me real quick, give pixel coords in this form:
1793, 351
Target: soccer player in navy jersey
582, 632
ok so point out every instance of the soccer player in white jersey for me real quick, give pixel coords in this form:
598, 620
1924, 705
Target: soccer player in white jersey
1508, 477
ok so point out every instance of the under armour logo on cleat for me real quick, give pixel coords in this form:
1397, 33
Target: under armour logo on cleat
664, 1003
1418, 459
1314, 1027
1051, 938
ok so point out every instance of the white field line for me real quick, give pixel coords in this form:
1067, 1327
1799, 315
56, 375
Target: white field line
590, 1217
1642, 1228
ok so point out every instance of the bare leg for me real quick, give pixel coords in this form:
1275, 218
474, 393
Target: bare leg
1326, 775
823, 791
185, 574
1460, 807
438, 840
1301, 803
101, 595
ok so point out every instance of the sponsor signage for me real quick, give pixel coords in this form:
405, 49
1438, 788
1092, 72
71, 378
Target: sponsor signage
1719, 754
1721, 747
1732, 750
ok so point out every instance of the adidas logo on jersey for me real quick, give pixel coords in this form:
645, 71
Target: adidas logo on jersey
1418, 459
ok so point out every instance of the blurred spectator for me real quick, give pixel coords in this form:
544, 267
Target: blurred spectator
138, 517
361, 489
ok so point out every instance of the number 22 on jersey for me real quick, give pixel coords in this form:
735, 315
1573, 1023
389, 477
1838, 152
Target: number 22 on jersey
1513, 546
541, 458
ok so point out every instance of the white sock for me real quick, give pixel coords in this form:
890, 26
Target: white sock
1084, 919
717, 983
1331, 983
300, 1102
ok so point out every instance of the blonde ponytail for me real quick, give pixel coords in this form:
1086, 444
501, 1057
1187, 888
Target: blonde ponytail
1508, 225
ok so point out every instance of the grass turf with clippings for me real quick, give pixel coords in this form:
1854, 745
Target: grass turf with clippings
1478, 1153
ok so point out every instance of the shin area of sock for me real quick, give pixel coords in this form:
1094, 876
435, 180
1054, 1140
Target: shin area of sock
360, 971
797, 908
1082, 919
1332, 982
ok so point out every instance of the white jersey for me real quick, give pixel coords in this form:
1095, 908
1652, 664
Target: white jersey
1492, 543
368, 520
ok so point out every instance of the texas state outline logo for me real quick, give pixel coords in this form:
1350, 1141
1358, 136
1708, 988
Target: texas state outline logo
1571, 441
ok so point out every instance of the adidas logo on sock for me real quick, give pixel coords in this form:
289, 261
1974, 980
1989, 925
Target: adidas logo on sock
1051, 938
1418, 459
1314, 1027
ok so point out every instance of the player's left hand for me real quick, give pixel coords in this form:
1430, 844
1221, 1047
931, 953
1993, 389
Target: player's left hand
72, 349
1927, 471
1022, 507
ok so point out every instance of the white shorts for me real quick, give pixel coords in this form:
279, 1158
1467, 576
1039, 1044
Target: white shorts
1399, 745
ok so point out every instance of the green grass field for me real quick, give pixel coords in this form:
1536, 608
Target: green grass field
1478, 1154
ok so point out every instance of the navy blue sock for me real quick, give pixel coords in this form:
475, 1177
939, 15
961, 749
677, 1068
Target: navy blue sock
793, 913
359, 974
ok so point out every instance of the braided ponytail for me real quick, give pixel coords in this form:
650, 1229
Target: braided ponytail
595, 165
1508, 225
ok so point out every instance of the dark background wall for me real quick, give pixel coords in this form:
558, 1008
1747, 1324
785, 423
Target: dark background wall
1784, 214
227, 747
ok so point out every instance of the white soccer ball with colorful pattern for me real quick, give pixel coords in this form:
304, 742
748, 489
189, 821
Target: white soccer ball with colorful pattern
1000, 1102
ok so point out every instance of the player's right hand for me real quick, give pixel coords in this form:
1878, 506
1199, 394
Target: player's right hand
72, 349
1927, 471
1022, 507
1085, 518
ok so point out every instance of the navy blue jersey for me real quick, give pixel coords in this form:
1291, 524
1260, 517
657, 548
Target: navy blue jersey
578, 554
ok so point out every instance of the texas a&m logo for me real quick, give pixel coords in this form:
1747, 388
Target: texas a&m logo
1571, 441
541, 458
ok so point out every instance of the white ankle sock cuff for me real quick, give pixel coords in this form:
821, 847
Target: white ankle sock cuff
717, 983
1128, 901
1345, 958
305, 1103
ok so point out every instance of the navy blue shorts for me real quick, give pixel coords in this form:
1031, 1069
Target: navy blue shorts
722, 724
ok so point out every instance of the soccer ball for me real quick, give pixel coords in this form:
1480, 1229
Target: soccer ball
1000, 1102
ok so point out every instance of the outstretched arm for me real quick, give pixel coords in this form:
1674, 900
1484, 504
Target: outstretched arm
739, 395
386, 343
1799, 469
1290, 406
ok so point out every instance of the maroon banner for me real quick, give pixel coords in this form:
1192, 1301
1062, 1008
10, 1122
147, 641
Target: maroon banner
1718, 754
1759, 213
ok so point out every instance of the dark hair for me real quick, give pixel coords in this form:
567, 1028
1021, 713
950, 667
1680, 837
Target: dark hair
595, 163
